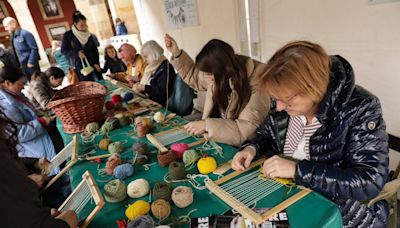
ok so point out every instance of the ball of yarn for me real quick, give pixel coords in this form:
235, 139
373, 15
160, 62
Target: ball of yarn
127, 96
141, 153
141, 130
160, 209
106, 127
116, 147
115, 191
206, 164
190, 157
144, 221
123, 171
136, 209
113, 161
166, 158
124, 121
114, 121
162, 190
146, 121
159, 117
179, 149
182, 196
92, 127
176, 171
138, 188
109, 105
116, 99
103, 144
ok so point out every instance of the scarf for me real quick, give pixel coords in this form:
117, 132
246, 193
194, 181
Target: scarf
150, 70
83, 37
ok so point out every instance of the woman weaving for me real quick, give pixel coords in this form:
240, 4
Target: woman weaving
331, 128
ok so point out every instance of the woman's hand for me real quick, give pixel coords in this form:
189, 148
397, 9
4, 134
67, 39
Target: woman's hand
138, 88
279, 167
242, 159
196, 127
171, 45
43, 164
81, 54
69, 217
39, 179
97, 67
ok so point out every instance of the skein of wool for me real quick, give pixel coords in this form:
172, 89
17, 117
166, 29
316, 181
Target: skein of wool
92, 127
141, 153
179, 149
190, 157
144, 221
162, 190
141, 130
206, 164
116, 99
109, 105
182, 196
115, 191
136, 209
160, 209
103, 144
176, 171
113, 161
127, 96
138, 188
116, 147
159, 117
166, 158
123, 171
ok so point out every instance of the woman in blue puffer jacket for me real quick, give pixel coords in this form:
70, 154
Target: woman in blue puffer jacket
328, 132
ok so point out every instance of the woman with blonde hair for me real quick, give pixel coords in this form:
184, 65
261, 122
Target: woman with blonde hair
157, 75
328, 132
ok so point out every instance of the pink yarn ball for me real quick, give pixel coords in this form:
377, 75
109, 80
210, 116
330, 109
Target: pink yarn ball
112, 162
116, 99
179, 149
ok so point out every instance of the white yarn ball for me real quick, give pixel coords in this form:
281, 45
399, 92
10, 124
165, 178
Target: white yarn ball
138, 188
159, 117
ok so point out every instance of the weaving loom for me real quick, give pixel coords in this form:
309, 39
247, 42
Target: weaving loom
165, 138
245, 191
70, 151
85, 195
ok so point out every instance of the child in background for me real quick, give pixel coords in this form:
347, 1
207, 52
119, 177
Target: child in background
112, 62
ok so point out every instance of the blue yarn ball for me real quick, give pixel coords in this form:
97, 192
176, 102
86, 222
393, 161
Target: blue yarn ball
127, 96
123, 171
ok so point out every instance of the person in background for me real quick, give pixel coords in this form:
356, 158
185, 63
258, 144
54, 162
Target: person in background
7, 57
112, 62
157, 75
120, 27
79, 44
60, 58
134, 63
24, 47
19, 194
323, 132
234, 105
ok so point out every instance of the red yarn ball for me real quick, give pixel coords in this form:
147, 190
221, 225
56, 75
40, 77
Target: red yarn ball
116, 99
179, 149
109, 105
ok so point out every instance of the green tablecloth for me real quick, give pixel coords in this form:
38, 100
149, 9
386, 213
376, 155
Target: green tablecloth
311, 211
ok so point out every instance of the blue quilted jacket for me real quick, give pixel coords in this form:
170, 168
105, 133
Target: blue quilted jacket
348, 154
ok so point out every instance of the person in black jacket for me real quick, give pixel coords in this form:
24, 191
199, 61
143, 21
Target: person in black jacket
323, 132
79, 44
157, 75
20, 205
8, 58
112, 62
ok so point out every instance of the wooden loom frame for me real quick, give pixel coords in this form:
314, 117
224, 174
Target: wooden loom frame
245, 211
153, 139
73, 148
88, 179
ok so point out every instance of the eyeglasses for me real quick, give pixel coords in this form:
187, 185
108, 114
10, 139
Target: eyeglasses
288, 102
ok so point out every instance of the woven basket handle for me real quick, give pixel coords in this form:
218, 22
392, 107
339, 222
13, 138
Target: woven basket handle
84, 60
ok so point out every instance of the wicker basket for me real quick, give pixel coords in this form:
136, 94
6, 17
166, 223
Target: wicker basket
79, 104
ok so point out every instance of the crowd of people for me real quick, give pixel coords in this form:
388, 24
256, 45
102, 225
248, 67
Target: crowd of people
301, 109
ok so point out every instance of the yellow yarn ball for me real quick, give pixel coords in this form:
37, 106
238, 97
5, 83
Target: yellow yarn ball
136, 209
160, 209
103, 144
206, 165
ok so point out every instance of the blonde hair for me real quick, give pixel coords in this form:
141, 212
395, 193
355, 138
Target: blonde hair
300, 66
152, 50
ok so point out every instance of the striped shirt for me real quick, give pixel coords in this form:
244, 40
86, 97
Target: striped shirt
297, 142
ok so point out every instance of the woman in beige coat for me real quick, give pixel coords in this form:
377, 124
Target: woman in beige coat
234, 106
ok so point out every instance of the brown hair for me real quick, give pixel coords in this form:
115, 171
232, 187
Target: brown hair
301, 66
218, 58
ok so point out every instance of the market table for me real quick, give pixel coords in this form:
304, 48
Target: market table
311, 211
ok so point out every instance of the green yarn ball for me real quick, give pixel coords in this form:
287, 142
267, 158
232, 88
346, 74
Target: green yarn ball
190, 157
115, 191
106, 128
116, 148
92, 127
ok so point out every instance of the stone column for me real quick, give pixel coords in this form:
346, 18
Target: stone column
25, 20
